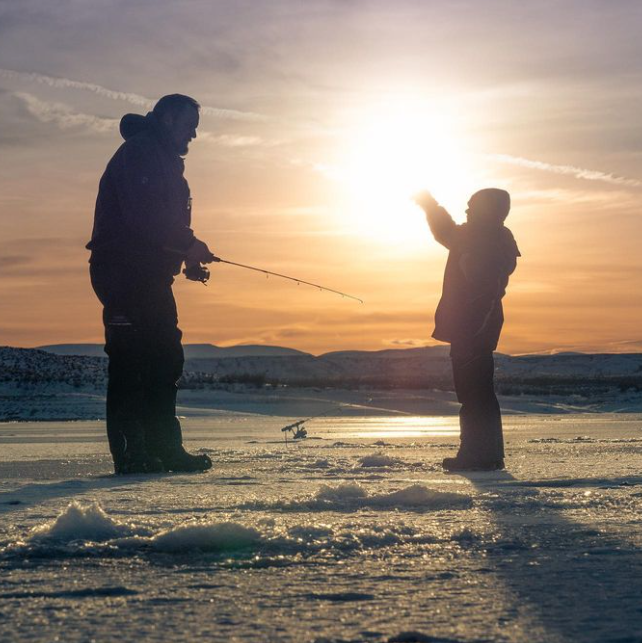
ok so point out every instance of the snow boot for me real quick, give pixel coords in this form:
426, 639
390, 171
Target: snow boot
137, 463
179, 460
467, 463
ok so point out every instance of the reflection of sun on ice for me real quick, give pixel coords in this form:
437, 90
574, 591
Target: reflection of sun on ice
394, 155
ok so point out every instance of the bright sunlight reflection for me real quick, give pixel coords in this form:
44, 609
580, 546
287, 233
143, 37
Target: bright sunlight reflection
396, 152
389, 427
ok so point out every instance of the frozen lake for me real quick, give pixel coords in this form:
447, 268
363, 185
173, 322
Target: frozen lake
354, 534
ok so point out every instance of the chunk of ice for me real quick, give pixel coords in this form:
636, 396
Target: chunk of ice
78, 522
212, 537
378, 460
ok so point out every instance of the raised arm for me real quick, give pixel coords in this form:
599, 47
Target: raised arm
441, 224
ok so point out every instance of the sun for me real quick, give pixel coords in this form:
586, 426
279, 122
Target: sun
394, 153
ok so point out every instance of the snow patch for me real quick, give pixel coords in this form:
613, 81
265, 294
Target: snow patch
210, 537
350, 496
420, 496
321, 463
348, 492
78, 522
378, 460
81, 531
87, 531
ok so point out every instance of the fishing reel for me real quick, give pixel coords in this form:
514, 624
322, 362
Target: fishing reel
197, 272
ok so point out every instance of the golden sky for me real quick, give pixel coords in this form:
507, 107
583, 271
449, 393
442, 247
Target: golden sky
320, 119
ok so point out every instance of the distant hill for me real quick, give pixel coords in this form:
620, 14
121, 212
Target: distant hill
84, 350
427, 367
209, 351
40, 384
192, 351
26, 367
391, 353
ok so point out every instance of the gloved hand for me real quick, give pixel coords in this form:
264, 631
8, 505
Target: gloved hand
198, 253
425, 201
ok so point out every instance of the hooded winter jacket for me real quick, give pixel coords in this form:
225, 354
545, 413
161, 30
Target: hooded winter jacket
483, 255
143, 210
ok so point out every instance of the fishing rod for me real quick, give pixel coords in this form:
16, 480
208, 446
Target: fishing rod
198, 272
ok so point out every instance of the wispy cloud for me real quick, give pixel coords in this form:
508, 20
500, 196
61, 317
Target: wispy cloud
8, 262
626, 346
408, 343
134, 99
231, 140
570, 170
63, 116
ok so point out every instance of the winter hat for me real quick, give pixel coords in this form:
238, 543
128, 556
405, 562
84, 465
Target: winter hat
490, 204
132, 124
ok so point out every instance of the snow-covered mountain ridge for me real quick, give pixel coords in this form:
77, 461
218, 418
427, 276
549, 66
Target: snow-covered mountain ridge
192, 351
35, 384
418, 367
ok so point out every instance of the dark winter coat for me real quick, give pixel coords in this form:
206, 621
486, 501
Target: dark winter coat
482, 257
143, 209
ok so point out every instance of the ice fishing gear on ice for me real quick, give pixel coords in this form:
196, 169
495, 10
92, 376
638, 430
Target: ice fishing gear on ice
299, 432
200, 273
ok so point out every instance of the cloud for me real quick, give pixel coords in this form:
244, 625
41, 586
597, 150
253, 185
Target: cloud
231, 140
408, 343
570, 170
626, 346
12, 261
134, 99
286, 332
64, 117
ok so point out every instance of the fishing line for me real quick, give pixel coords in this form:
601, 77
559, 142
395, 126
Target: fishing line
200, 273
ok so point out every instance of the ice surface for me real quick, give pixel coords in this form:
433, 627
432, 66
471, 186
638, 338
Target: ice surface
354, 536
351, 496
378, 460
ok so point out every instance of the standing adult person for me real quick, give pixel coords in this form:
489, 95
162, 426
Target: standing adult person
141, 238
482, 256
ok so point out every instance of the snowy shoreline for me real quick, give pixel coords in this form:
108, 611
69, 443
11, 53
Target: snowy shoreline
39, 386
57, 403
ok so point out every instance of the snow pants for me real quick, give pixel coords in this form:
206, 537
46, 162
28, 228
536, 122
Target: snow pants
480, 419
143, 342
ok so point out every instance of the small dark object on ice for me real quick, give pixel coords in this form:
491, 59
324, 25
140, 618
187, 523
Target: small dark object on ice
299, 432
419, 637
462, 463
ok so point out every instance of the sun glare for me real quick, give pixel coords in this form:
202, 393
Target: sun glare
394, 154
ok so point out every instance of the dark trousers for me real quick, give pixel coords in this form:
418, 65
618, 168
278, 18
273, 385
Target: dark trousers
143, 342
480, 418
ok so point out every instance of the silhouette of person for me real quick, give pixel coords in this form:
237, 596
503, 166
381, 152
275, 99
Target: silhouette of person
140, 239
482, 256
